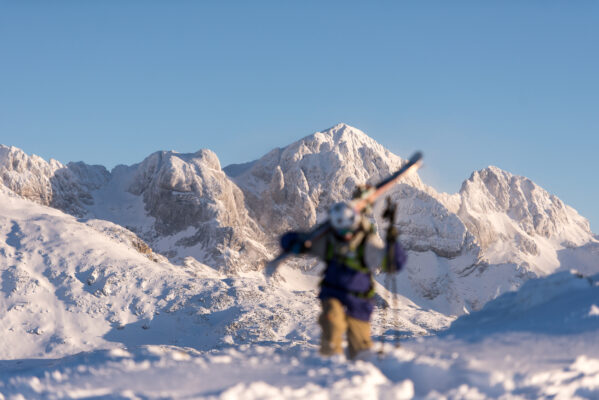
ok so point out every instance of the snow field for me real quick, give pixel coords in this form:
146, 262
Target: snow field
425, 368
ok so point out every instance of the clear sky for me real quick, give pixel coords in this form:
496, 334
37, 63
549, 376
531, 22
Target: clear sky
470, 83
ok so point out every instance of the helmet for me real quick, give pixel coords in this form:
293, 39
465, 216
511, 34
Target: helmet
344, 219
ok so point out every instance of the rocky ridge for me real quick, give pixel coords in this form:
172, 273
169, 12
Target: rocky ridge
191, 198
66, 187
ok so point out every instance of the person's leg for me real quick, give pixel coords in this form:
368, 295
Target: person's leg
358, 336
333, 324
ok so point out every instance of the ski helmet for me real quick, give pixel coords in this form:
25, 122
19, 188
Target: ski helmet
344, 219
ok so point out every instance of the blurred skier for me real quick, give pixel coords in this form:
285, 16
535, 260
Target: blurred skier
351, 251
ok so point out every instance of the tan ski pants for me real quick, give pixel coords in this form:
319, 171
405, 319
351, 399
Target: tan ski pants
335, 324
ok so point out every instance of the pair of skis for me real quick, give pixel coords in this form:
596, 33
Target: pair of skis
366, 199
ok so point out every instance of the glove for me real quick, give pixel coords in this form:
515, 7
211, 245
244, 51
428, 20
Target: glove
293, 242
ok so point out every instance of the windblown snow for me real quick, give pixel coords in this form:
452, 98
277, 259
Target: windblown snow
146, 282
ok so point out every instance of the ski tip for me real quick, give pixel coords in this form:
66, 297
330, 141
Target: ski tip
416, 157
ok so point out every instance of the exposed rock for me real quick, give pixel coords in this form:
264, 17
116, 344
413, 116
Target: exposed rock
498, 206
50, 183
190, 193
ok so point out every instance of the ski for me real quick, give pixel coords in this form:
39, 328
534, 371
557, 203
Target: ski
372, 194
368, 197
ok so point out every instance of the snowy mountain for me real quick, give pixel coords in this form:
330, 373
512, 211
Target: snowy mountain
465, 249
499, 231
516, 221
67, 188
293, 187
154, 268
195, 210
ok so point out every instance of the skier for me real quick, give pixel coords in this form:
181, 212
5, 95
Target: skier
351, 251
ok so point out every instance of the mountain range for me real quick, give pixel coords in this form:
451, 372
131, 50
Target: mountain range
160, 263
465, 248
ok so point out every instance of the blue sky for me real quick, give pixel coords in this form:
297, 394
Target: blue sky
508, 83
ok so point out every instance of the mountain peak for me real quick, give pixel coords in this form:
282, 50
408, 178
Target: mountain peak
343, 127
528, 212
341, 142
343, 131
489, 172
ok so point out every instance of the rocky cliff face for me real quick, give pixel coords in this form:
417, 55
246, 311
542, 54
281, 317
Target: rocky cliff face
529, 207
66, 187
514, 220
192, 201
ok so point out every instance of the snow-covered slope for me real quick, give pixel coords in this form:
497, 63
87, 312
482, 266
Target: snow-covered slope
69, 286
562, 303
538, 343
516, 221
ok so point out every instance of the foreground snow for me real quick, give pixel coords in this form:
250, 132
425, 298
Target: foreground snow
497, 367
539, 342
